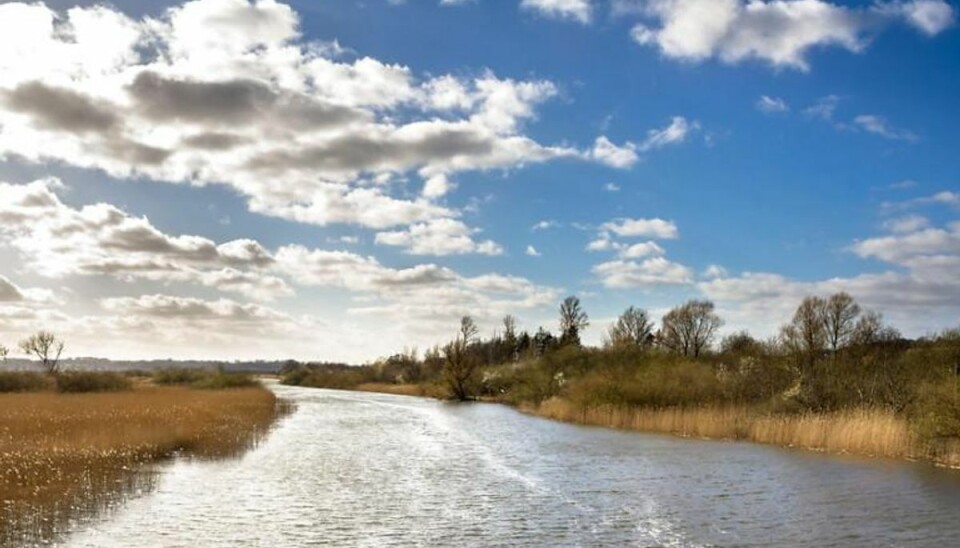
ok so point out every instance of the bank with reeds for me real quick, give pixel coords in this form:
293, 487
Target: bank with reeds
867, 432
64, 455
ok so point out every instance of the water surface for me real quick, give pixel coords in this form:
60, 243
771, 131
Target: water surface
357, 469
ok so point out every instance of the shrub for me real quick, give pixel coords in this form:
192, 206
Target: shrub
92, 381
24, 381
221, 381
179, 376
936, 412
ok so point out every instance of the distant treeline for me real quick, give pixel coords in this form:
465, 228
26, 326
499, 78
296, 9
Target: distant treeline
103, 364
830, 356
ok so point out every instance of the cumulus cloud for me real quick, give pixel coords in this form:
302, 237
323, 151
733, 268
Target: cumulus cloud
654, 271
907, 224
641, 264
919, 290
190, 309
532, 251
650, 228
227, 92
626, 155
57, 240
439, 237
576, 10
778, 32
12, 293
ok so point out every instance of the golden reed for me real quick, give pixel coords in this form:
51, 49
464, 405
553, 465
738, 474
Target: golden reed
870, 432
61, 454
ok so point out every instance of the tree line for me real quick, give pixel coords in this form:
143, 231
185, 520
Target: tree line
830, 354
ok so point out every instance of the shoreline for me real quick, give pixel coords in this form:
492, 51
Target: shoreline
869, 433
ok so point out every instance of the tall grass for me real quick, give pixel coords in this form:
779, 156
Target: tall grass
873, 432
67, 454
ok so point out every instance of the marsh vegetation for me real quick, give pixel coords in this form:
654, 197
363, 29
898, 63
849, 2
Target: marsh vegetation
75, 442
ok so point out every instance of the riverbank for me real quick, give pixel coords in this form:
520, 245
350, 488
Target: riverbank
865, 432
63, 454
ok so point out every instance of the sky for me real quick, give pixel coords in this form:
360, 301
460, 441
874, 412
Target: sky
339, 180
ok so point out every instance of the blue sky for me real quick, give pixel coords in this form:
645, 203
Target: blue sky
233, 179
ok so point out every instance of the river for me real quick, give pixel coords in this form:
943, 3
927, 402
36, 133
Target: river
358, 469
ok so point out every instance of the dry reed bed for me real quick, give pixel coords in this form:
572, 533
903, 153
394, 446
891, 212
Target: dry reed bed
868, 432
60, 453
385, 388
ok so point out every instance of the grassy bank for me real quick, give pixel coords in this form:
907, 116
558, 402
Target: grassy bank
67, 454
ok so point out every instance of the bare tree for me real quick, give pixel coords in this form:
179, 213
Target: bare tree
46, 347
840, 313
509, 328
806, 334
4, 352
689, 329
459, 369
510, 336
573, 320
633, 328
468, 330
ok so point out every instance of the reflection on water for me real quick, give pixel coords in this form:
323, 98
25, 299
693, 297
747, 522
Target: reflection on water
99, 492
84, 488
350, 469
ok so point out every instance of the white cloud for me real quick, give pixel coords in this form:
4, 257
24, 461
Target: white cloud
604, 151
779, 32
57, 240
771, 104
920, 290
654, 271
638, 251
650, 228
626, 155
12, 293
439, 237
878, 125
545, 224
532, 251
227, 92
715, 271
930, 16
944, 197
675, 132
577, 10
191, 309
909, 223
611, 187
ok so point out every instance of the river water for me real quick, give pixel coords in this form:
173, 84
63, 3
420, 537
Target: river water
357, 469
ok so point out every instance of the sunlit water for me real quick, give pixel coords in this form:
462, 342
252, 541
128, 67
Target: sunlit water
355, 469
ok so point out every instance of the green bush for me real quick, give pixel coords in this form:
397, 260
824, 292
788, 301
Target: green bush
24, 381
92, 381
